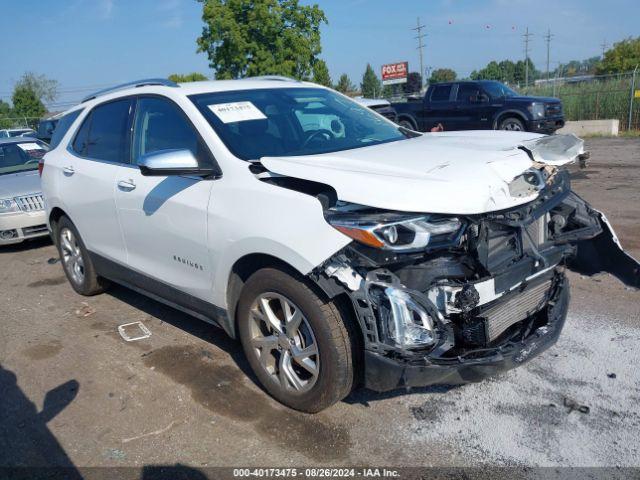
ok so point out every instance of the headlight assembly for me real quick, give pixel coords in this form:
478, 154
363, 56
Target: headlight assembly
537, 110
8, 205
398, 232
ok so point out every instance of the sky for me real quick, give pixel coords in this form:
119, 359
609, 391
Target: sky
90, 44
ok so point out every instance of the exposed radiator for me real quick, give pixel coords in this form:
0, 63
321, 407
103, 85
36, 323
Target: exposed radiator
500, 317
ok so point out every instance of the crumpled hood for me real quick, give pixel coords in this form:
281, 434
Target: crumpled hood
17, 184
449, 172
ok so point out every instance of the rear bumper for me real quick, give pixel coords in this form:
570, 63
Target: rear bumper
546, 125
15, 228
384, 373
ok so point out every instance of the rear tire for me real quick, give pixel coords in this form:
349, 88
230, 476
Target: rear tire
296, 342
75, 259
512, 124
407, 124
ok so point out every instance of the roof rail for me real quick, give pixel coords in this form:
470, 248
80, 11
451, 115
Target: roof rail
277, 78
135, 84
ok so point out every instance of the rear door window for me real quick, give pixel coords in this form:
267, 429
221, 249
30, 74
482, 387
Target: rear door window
103, 135
441, 93
467, 91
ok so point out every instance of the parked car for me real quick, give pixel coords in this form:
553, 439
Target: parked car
46, 128
480, 105
378, 257
22, 214
17, 132
380, 105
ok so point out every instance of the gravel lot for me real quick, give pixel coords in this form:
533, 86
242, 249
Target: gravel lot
185, 395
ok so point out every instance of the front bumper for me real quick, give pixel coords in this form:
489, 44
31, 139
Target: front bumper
17, 227
545, 125
383, 373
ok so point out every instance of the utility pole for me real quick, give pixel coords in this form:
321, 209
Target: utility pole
604, 46
548, 38
526, 36
420, 37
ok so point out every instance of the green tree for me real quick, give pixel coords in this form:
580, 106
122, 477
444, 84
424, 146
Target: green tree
5, 115
27, 105
189, 77
321, 74
344, 84
623, 57
45, 89
414, 83
371, 86
442, 75
260, 37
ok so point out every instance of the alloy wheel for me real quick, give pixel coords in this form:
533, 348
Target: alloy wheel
72, 256
283, 342
512, 126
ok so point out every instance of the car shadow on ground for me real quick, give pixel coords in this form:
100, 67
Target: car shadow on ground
218, 337
32, 244
191, 325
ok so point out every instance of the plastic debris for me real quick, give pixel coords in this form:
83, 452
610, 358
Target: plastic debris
130, 332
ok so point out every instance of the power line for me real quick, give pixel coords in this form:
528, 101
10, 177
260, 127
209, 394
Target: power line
548, 38
526, 37
420, 37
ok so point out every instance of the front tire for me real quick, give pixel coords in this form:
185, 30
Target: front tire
296, 343
408, 124
75, 259
512, 124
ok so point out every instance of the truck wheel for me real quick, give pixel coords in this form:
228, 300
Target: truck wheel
296, 343
76, 261
407, 124
513, 124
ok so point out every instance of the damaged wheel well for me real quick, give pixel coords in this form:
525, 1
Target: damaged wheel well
250, 264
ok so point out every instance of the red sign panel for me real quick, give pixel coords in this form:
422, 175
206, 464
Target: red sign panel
395, 72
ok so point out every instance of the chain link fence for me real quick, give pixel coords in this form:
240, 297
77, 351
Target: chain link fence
592, 97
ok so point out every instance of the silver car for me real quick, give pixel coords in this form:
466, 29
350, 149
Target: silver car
22, 214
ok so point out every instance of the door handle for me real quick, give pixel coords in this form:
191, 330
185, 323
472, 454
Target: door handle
68, 171
126, 185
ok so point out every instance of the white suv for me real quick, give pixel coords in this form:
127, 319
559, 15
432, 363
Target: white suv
340, 249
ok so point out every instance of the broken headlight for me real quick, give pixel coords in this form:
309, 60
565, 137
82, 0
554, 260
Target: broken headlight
396, 231
409, 325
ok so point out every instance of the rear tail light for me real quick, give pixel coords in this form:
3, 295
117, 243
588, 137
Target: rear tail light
40, 166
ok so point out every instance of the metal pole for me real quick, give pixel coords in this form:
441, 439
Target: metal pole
420, 37
633, 88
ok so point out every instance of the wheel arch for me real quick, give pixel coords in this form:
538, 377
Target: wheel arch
509, 113
54, 217
410, 118
249, 264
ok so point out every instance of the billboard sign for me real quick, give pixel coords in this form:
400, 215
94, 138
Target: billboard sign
395, 73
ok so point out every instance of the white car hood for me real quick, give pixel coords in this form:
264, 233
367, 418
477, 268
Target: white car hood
17, 184
450, 172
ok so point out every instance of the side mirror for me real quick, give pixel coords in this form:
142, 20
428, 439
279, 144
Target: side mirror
483, 98
172, 162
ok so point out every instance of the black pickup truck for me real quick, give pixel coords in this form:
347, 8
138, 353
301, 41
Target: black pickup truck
479, 105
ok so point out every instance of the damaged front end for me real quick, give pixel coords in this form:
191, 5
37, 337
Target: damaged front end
453, 299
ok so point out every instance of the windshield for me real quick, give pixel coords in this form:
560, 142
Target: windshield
17, 133
292, 121
497, 90
20, 157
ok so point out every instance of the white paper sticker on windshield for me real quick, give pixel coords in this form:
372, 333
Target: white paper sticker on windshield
237, 112
30, 146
